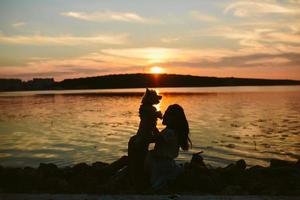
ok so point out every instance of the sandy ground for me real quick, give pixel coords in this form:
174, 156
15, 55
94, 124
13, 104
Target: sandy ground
135, 197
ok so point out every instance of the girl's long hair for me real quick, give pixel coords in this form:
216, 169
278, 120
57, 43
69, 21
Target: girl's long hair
174, 118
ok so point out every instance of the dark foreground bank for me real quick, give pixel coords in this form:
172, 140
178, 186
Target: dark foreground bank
137, 197
280, 178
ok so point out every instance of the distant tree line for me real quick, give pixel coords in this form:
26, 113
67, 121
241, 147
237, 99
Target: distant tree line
136, 81
35, 84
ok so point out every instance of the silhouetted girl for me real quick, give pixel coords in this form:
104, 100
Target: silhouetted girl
160, 162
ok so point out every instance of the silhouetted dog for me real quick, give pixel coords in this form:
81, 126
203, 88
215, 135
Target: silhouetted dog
139, 143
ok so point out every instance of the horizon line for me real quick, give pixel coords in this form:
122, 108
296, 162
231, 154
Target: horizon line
140, 73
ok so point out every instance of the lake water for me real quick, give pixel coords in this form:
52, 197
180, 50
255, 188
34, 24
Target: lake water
227, 123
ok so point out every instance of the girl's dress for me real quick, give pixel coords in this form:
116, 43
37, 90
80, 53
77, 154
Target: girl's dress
160, 162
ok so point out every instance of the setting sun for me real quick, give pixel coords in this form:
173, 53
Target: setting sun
156, 70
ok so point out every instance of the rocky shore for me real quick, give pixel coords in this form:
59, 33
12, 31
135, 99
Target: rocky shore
280, 178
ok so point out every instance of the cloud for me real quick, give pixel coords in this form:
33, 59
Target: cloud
283, 37
294, 1
280, 62
203, 17
18, 24
106, 61
110, 16
268, 61
259, 37
148, 54
214, 62
256, 8
114, 39
249, 56
169, 39
154, 55
88, 65
268, 66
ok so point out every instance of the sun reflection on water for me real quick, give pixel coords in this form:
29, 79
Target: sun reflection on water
67, 129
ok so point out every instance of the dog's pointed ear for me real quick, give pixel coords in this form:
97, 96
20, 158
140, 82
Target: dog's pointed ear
147, 90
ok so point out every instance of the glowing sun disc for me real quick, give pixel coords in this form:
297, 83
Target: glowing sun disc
156, 70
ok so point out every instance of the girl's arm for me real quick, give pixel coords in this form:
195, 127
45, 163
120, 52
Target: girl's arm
155, 135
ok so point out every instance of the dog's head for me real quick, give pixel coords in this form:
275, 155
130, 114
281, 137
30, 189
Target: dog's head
151, 97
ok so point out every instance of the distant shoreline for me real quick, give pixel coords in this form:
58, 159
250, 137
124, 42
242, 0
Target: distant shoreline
131, 81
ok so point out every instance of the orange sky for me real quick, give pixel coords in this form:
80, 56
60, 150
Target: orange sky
67, 39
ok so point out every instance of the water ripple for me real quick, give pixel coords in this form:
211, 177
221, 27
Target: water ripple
227, 126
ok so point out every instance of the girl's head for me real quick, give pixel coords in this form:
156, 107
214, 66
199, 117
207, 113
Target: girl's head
175, 119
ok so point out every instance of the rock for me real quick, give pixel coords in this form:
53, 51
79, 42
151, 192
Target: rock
99, 170
241, 164
120, 163
194, 181
99, 165
30, 178
80, 168
281, 178
233, 174
48, 169
47, 166
257, 169
197, 161
281, 163
118, 182
116, 165
230, 166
